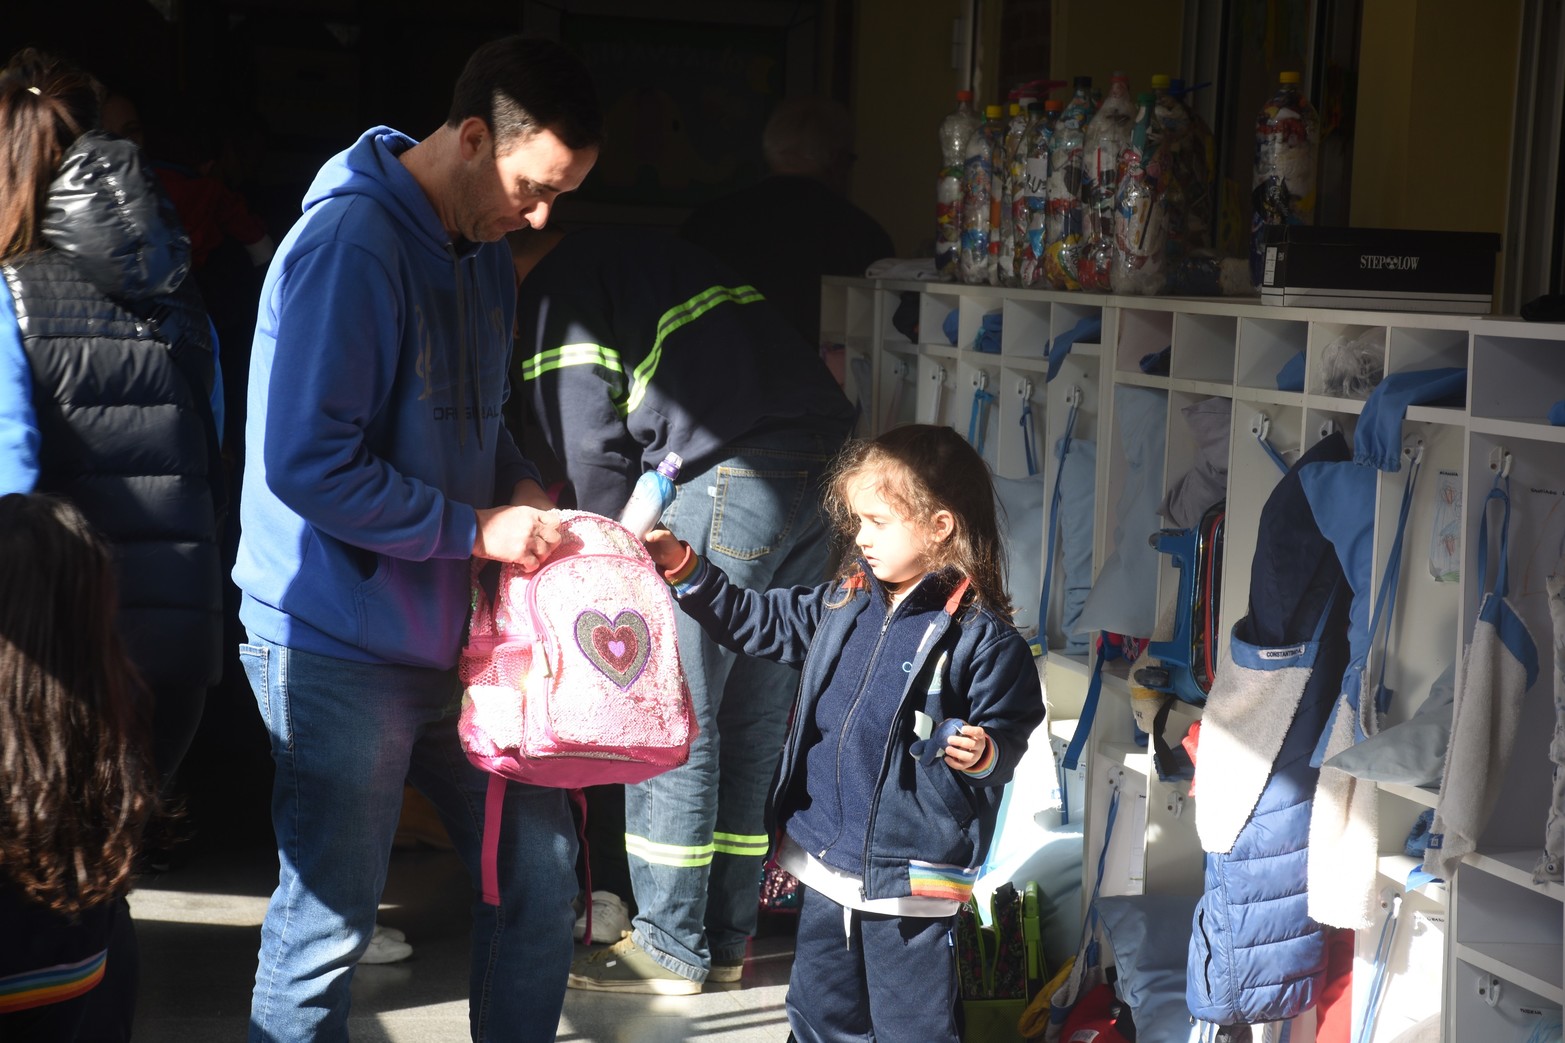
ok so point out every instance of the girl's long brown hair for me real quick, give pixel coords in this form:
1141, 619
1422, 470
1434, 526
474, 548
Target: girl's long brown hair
76, 779
919, 469
46, 103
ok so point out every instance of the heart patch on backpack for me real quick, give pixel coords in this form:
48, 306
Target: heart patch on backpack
618, 649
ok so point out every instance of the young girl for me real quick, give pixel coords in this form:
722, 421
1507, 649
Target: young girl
885, 826
76, 779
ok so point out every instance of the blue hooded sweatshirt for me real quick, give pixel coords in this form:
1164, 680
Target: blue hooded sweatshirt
374, 427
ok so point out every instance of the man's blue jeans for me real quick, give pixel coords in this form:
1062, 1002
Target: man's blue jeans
696, 836
345, 736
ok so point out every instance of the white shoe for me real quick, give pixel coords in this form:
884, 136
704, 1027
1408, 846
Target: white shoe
387, 945
610, 918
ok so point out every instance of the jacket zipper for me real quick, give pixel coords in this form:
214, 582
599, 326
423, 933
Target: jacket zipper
869, 669
925, 645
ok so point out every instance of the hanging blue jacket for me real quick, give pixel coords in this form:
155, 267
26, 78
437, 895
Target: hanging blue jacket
928, 827
1255, 954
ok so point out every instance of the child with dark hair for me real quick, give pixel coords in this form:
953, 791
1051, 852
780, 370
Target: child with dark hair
916, 702
77, 783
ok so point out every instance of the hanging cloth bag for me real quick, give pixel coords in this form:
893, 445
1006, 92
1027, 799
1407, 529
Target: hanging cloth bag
1551, 862
1500, 666
1086, 969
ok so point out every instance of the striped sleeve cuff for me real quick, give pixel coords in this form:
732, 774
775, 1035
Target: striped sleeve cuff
985, 765
687, 573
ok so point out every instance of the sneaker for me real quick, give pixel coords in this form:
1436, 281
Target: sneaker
387, 945
726, 973
625, 967
610, 918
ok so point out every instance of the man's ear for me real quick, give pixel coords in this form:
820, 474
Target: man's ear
473, 138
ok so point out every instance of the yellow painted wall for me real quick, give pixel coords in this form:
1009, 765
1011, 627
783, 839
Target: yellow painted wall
1091, 39
903, 85
1436, 96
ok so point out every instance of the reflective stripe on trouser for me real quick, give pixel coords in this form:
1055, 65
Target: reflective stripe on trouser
696, 835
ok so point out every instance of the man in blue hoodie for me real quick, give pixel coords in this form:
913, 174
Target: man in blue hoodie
379, 465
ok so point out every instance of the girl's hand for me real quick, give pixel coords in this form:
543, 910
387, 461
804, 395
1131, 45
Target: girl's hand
667, 550
966, 748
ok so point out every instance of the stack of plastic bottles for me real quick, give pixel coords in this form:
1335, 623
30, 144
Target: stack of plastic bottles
1141, 222
1110, 194
1107, 138
1035, 172
1287, 154
955, 129
1063, 225
980, 205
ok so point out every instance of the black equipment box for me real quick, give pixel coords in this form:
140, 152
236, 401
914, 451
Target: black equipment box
1381, 269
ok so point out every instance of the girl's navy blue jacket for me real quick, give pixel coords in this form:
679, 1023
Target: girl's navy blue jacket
929, 826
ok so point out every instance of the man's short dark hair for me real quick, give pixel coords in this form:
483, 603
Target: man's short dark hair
520, 85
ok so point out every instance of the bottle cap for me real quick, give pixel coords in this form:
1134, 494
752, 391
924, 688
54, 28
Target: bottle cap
1082, 81
992, 112
1161, 81
1145, 98
964, 95
1053, 106
1037, 106
1288, 77
1014, 108
1118, 77
670, 466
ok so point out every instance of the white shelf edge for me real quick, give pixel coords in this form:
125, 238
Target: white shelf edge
1127, 755
1417, 794
1269, 396
1025, 363
1518, 963
1437, 415
1209, 388
1396, 867
1532, 430
1515, 867
1142, 380
1332, 404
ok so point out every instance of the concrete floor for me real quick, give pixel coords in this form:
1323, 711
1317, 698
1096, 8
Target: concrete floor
199, 928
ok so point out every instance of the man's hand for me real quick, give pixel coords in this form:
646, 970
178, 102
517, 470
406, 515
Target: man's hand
524, 535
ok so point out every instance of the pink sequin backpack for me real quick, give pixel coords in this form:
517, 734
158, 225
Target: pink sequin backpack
571, 672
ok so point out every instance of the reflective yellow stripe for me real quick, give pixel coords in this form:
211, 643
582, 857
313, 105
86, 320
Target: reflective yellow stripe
572, 355
740, 843
667, 854
672, 320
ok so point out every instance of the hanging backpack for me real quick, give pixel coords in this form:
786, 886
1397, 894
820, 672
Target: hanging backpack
571, 672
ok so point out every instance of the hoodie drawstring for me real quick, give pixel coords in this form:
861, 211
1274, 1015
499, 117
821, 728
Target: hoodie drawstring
464, 348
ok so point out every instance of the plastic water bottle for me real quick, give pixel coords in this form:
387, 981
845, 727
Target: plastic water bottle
955, 129
1287, 152
1140, 221
1107, 137
979, 249
1029, 195
1197, 159
1062, 233
1010, 188
653, 493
